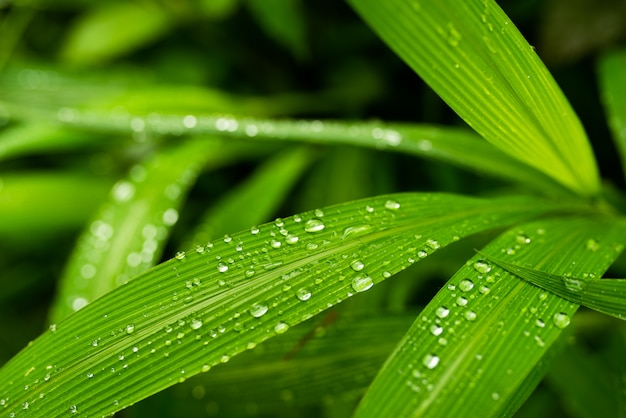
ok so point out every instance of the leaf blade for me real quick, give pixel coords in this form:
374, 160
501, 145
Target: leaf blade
472, 55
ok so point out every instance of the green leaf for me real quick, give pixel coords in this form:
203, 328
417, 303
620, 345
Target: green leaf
257, 198
482, 336
127, 235
613, 89
457, 146
603, 295
41, 203
200, 309
106, 32
476, 60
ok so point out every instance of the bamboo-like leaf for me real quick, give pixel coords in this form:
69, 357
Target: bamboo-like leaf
44, 202
127, 234
603, 295
198, 310
613, 88
476, 60
453, 145
106, 32
481, 337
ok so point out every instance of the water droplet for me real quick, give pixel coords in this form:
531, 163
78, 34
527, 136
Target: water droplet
482, 267
592, 245
392, 205
422, 254
275, 244
540, 323
303, 294
196, 324
522, 239
442, 312
361, 283
130, 328
495, 396
436, 330
572, 284
180, 255
466, 285
291, 239
222, 268
205, 368
319, 213
123, 191
484, 290
225, 358
461, 301
281, 328
433, 244
254, 230
470, 315
561, 320
355, 230
430, 361
314, 225
369, 209
386, 274
357, 265
257, 310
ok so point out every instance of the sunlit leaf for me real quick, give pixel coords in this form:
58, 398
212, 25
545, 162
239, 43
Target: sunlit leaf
203, 307
476, 60
485, 333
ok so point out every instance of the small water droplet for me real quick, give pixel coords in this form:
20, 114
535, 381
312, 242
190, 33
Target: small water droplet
561, 320
205, 368
442, 312
461, 301
436, 330
357, 265
281, 328
275, 243
540, 323
291, 239
484, 290
314, 225
592, 245
303, 294
130, 328
257, 310
254, 230
430, 361
572, 284
470, 315
495, 396
319, 213
482, 267
433, 244
196, 324
466, 285
392, 205
522, 239
361, 283
222, 268
225, 358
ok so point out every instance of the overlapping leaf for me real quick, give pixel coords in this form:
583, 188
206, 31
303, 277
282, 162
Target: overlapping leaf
481, 338
472, 55
198, 310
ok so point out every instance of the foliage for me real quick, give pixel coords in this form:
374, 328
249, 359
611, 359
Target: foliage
202, 209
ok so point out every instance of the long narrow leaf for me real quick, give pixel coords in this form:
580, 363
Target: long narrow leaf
198, 310
474, 57
484, 334
613, 88
603, 295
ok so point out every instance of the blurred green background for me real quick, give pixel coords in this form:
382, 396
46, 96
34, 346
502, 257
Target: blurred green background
261, 58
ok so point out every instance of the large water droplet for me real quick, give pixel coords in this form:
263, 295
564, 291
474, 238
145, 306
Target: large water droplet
430, 361
361, 283
561, 320
257, 310
466, 285
314, 225
482, 267
357, 265
442, 312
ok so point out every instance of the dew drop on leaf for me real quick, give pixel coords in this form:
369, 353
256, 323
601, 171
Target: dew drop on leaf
430, 361
222, 268
482, 267
130, 328
466, 285
257, 310
392, 205
303, 294
362, 283
436, 330
522, 239
281, 328
561, 320
196, 324
470, 315
442, 312
314, 225
357, 265
592, 245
